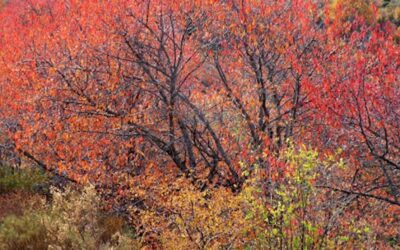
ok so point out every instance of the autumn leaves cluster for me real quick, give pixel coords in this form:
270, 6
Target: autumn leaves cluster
168, 106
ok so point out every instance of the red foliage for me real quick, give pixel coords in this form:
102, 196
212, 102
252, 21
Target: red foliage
107, 91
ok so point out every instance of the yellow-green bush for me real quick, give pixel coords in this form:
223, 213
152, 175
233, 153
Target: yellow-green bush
73, 221
12, 179
23, 232
287, 215
391, 11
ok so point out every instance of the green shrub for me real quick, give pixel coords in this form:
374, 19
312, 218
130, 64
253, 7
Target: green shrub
12, 179
73, 221
23, 232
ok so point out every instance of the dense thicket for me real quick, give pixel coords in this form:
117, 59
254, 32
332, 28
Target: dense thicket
277, 118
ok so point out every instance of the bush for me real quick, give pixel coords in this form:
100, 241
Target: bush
73, 221
17, 203
290, 215
26, 179
23, 232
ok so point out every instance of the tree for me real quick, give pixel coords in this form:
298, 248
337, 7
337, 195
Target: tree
360, 103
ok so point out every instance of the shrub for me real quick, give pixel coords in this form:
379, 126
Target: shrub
73, 221
290, 215
16, 203
23, 232
26, 179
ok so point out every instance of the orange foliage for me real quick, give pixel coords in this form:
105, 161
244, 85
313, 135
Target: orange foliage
155, 99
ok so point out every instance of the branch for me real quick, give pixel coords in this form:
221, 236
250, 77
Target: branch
367, 195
